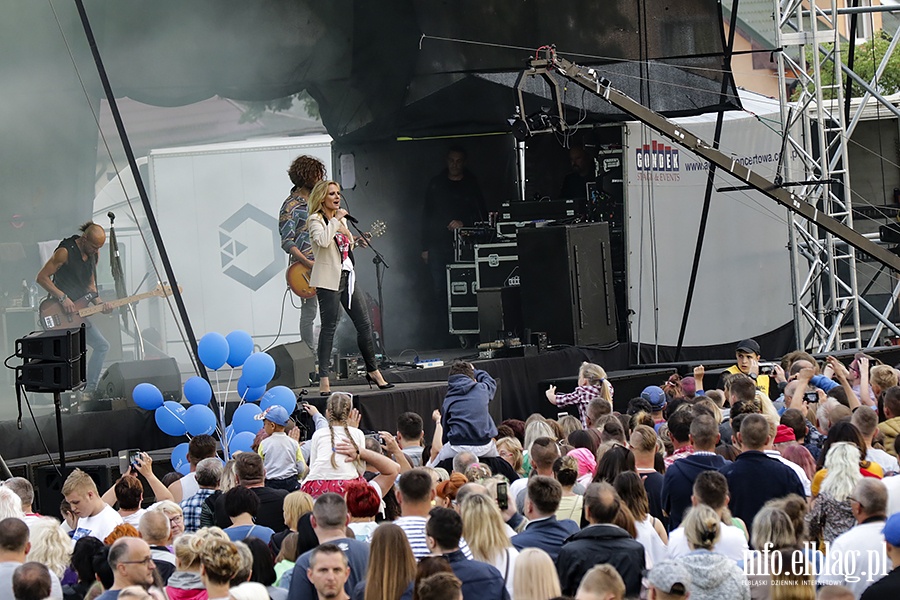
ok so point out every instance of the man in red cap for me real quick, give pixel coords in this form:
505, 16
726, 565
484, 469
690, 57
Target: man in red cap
784, 436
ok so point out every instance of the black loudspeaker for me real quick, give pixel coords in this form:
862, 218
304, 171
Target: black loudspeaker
566, 283
121, 378
294, 363
500, 314
48, 483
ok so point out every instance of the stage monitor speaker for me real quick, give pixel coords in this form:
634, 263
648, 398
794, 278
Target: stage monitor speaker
49, 483
294, 363
566, 283
500, 313
121, 378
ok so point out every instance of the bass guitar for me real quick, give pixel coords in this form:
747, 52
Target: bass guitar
54, 316
297, 274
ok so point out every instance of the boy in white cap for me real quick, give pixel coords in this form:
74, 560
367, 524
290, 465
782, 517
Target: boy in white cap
281, 454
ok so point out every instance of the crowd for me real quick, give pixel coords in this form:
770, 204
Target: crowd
778, 482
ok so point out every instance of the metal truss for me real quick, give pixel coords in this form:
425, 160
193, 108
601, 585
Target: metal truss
827, 301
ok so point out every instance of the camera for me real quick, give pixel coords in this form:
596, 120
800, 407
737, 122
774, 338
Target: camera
127, 459
811, 397
766, 368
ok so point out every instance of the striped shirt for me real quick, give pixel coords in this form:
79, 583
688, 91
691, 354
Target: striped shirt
414, 528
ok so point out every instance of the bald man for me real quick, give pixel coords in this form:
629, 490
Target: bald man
69, 276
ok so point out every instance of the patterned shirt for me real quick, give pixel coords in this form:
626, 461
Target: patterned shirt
582, 396
679, 453
192, 507
292, 226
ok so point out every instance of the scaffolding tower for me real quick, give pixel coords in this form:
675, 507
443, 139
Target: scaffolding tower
826, 296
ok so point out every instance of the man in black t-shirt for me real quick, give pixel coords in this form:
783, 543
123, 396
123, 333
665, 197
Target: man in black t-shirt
250, 473
453, 200
69, 276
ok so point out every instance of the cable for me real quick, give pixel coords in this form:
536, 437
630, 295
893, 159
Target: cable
41, 436
280, 319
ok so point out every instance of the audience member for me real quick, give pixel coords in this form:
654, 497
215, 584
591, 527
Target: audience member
410, 435
392, 566
832, 512
50, 545
199, 448
565, 471
890, 427
650, 531
485, 532
440, 586
680, 475
207, 474
82, 563
282, 458
711, 489
543, 530
752, 466
132, 564
415, 493
31, 581
543, 454
668, 580
242, 506
220, 561
250, 474
867, 423
601, 582
467, 424
155, 528
14, 547
888, 587
868, 502
479, 580
713, 575
22, 488
95, 517
601, 542
329, 521
534, 577
592, 384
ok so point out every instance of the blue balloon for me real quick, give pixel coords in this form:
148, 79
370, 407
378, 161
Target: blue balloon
244, 419
147, 396
240, 346
179, 457
170, 418
184, 469
259, 369
200, 420
250, 394
197, 390
213, 350
242, 442
280, 395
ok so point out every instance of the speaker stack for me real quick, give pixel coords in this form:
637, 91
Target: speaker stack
567, 284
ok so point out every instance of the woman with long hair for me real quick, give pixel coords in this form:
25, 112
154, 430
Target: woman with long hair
329, 472
845, 431
50, 545
617, 459
775, 539
650, 531
296, 504
484, 530
392, 566
535, 576
510, 450
831, 515
334, 278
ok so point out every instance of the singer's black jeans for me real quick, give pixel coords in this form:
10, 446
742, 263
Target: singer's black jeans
329, 304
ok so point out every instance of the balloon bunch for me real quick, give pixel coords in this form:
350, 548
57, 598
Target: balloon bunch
216, 351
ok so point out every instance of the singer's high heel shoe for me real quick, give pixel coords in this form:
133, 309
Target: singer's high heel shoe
371, 380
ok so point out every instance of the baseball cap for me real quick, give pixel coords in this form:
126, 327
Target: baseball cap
655, 396
748, 345
275, 413
891, 530
670, 577
784, 434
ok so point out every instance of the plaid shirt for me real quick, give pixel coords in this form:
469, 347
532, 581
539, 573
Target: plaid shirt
191, 508
582, 396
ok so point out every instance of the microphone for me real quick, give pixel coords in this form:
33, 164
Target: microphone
351, 218
111, 215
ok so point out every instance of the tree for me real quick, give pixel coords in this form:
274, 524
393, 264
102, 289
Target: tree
867, 58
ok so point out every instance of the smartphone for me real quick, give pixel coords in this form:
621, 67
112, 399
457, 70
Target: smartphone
561, 414
811, 397
127, 458
502, 495
766, 369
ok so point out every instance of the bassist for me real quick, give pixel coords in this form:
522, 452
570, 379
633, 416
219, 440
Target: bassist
71, 274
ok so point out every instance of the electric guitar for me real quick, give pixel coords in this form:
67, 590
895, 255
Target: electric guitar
53, 316
297, 274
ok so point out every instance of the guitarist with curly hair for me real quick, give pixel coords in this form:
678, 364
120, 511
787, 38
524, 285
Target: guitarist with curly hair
70, 276
305, 172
